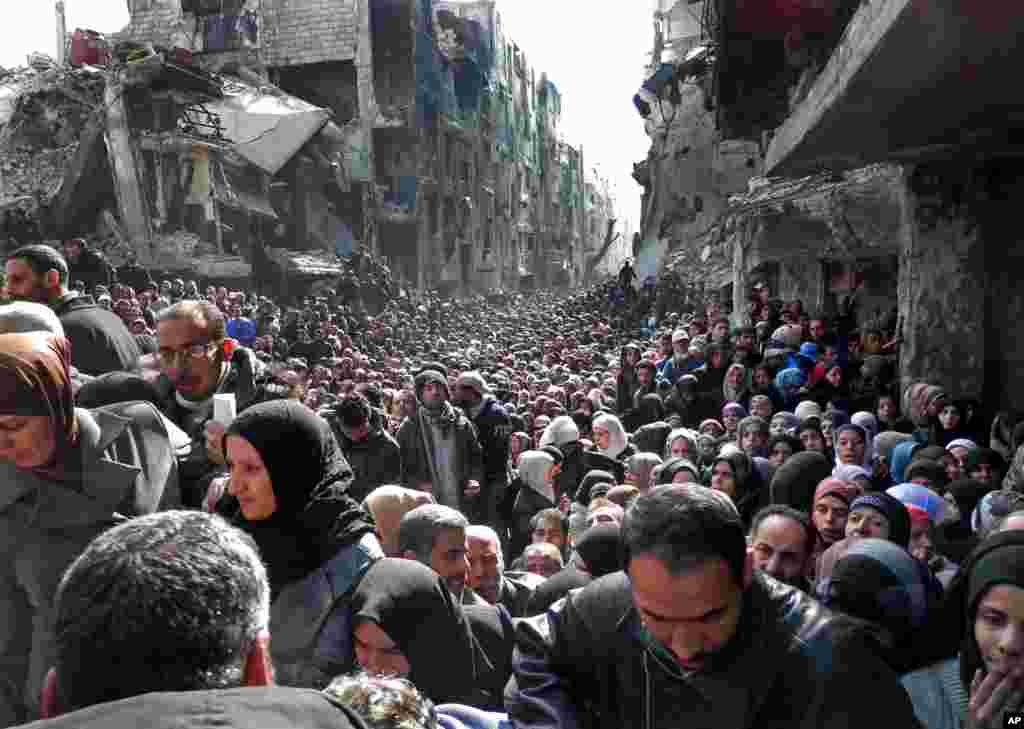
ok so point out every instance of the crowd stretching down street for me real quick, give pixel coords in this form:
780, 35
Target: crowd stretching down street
596, 508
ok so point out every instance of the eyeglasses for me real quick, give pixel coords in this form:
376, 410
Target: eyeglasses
170, 357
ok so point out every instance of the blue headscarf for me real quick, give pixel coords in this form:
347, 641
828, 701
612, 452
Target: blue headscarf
901, 457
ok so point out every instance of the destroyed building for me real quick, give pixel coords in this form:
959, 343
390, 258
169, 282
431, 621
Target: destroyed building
225, 138
884, 160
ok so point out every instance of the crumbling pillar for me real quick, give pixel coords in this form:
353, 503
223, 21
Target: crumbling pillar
942, 299
127, 183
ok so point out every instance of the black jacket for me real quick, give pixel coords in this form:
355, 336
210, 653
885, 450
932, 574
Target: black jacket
493, 428
93, 268
375, 461
792, 664
100, 342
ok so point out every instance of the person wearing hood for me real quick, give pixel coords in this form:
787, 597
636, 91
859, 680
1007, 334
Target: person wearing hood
639, 467
978, 678
440, 449
689, 404
493, 427
371, 452
922, 404
627, 381
405, 620
651, 438
538, 472
881, 583
927, 510
753, 435
734, 474
563, 434
830, 513
676, 470
610, 438
795, 481
68, 474
735, 387
884, 445
732, 414
875, 515
314, 538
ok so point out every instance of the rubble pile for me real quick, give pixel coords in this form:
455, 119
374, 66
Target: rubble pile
43, 111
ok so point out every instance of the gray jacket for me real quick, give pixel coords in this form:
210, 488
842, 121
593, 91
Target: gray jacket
939, 698
128, 469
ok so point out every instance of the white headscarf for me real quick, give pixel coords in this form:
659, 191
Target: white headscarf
617, 440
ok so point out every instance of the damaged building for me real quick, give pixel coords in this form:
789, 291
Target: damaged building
239, 138
885, 162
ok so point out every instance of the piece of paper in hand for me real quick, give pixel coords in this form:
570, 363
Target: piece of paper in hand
224, 408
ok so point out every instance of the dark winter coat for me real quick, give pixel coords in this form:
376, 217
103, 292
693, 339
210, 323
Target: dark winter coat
585, 664
375, 461
100, 341
128, 469
416, 466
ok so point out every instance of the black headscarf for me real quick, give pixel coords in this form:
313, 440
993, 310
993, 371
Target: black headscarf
997, 560
600, 548
411, 603
797, 478
115, 387
315, 516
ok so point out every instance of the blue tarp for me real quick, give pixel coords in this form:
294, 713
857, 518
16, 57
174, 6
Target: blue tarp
403, 192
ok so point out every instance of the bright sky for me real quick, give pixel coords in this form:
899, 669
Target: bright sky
33, 26
594, 52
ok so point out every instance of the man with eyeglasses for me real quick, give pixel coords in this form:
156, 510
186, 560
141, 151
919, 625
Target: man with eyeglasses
197, 361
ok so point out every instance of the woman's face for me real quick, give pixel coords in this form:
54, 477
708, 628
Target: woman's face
950, 417
602, 438
753, 442
954, 471
680, 448
722, 479
250, 481
735, 375
26, 441
780, 454
377, 653
830, 516
850, 448
867, 523
813, 441
999, 628
983, 472
826, 430
778, 425
762, 408
730, 422
762, 378
921, 545
886, 408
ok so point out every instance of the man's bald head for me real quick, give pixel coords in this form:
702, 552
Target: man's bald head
486, 562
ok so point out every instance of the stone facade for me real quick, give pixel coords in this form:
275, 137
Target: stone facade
301, 32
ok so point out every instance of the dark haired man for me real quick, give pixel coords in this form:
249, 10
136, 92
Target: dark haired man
100, 341
691, 635
781, 543
373, 454
176, 607
197, 361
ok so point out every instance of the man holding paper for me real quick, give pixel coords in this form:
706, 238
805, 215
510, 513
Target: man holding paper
200, 369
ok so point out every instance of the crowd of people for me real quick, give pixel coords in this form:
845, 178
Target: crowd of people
556, 509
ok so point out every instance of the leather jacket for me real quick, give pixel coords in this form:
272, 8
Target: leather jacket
586, 665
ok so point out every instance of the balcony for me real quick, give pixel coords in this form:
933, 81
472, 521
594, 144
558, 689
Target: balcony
908, 80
